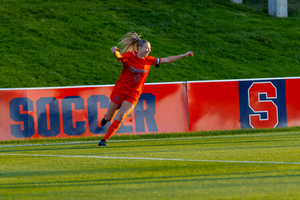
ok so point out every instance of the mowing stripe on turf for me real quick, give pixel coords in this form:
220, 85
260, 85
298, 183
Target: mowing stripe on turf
145, 158
154, 139
48, 144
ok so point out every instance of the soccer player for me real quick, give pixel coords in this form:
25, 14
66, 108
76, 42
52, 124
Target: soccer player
136, 65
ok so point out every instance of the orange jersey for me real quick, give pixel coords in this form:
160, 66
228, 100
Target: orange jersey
134, 74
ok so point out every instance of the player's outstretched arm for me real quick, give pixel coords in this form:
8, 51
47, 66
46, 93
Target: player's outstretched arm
115, 51
174, 58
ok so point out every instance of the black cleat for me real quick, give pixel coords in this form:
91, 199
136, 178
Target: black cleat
102, 143
103, 122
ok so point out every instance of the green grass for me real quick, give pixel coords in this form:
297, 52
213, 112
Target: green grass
261, 6
119, 172
116, 136
67, 43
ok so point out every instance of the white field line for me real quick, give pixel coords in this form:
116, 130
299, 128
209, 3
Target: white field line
154, 139
145, 158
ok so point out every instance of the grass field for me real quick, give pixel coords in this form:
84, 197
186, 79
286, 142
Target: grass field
244, 166
67, 43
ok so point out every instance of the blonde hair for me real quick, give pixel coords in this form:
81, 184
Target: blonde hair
131, 41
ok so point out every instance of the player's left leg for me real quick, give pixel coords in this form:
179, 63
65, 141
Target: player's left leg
125, 109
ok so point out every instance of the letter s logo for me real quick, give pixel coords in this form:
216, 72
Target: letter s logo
260, 95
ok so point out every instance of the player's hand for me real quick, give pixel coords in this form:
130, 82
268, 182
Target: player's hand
114, 49
189, 53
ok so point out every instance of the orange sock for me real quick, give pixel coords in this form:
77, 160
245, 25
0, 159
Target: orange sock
112, 129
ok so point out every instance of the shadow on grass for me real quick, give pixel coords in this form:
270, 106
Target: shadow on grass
153, 180
146, 144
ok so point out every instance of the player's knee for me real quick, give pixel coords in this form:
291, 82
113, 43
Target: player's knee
120, 117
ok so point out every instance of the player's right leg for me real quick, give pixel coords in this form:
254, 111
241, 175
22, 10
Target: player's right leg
111, 112
116, 101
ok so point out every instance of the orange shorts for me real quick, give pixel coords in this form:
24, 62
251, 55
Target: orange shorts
118, 97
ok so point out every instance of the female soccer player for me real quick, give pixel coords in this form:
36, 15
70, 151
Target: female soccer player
136, 65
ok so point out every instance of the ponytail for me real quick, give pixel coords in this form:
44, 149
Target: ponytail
131, 41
